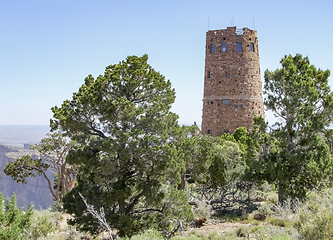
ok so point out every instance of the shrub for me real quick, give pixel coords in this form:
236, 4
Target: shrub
242, 231
13, 221
259, 196
148, 234
316, 220
213, 235
287, 210
269, 232
203, 210
255, 228
57, 207
230, 236
44, 223
279, 222
262, 213
272, 197
244, 216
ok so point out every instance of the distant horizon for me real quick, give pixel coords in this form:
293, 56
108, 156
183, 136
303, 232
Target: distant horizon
18, 135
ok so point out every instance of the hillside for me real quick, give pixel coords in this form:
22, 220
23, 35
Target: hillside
36, 190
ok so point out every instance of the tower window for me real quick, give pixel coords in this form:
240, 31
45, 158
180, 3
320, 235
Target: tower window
239, 47
225, 101
211, 102
209, 74
235, 106
212, 48
228, 75
240, 106
226, 130
224, 47
252, 47
209, 132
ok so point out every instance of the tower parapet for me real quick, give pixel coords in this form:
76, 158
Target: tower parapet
232, 84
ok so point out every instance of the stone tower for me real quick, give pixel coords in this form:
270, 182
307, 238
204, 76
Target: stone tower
232, 85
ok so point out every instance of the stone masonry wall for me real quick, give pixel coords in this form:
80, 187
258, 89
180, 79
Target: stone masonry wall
232, 85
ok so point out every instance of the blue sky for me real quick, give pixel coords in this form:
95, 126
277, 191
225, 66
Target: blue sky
47, 48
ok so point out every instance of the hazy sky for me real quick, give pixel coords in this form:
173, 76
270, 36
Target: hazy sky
48, 47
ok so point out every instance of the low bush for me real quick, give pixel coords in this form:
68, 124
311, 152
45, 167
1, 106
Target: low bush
272, 197
242, 231
279, 222
202, 210
44, 223
14, 223
269, 232
149, 234
316, 219
262, 213
255, 228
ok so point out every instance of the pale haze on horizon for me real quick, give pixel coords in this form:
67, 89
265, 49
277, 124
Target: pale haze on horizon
49, 47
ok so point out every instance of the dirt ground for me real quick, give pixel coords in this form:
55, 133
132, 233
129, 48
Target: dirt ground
218, 226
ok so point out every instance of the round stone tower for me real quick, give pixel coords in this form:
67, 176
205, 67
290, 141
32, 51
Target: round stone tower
232, 85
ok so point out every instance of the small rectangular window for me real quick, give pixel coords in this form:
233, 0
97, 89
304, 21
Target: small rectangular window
212, 48
209, 132
209, 74
225, 101
226, 130
228, 75
239, 47
235, 106
224, 47
252, 47
240, 106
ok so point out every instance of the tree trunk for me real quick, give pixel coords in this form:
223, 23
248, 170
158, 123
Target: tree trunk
182, 183
281, 194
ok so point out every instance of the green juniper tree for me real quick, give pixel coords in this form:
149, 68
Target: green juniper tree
127, 158
299, 161
13, 221
53, 150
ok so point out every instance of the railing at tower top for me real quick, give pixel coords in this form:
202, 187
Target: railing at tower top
239, 31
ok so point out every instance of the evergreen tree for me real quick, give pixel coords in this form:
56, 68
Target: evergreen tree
300, 160
53, 150
127, 158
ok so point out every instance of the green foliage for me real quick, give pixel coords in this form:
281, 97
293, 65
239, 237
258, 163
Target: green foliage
242, 231
262, 213
13, 221
294, 156
149, 234
43, 223
217, 166
255, 228
279, 222
25, 167
53, 150
269, 232
316, 219
127, 158
203, 210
